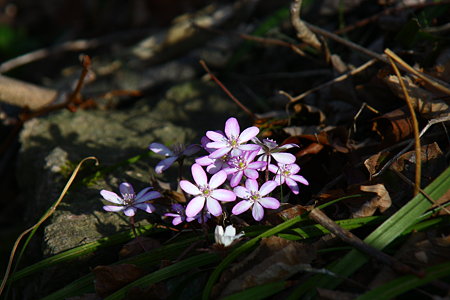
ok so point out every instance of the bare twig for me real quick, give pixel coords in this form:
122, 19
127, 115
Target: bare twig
348, 237
303, 32
415, 126
238, 103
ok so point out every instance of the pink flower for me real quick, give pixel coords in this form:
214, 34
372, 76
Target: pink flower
286, 173
254, 197
205, 191
130, 202
270, 148
243, 165
233, 141
178, 152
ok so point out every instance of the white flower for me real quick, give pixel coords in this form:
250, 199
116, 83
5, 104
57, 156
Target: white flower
228, 237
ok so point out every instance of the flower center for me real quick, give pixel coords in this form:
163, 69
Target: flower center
239, 163
285, 171
206, 190
128, 199
254, 196
233, 142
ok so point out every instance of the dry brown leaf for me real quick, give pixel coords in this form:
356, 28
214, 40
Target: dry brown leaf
381, 201
111, 278
275, 259
425, 102
374, 163
393, 126
138, 245
288, 212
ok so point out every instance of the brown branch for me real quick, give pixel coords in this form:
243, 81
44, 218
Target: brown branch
348, 237
303, 32
238, 103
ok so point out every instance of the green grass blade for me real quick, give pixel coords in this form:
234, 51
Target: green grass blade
258, 292
406, 283
167, 272
392, 228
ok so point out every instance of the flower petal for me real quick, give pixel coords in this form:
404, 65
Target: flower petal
213, 206
250, 173
146, 207
111, 197
204, 161
165, 164
257, 165
176, 221
250, 147
269, 202
236, 178
113, 208
160, 149
294, 168
220, 152
248, 134
223, 195
230, 231
274, 169
217, 179
300, 179
126, 189
232, 129
251, 185
292, 185
218, 233
257, 211
267, 187
199, 175
191, 149
217, 145
142, 192
241, 192
241, 207
130, 211
284, 158
195, 206
279, 179
149, 196
189, 187
215, 136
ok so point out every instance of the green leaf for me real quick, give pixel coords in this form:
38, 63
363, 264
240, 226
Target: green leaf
406, 283
167, 272
258, 292
392, 228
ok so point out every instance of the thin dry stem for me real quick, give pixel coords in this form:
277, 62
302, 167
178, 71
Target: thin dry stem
303, 32
415, 126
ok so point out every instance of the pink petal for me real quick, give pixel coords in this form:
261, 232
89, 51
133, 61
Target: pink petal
288, 146
232, 129
216, 145
195, 206
267, 187
223, 195
111, 197
113, 208
189, 188
204, 161
274, 169
257, 211
300, 179
250, 147
257, 165
126, 188
199, 175
250, 173
241, 192
248, 134
146, 207
165, 164
160, 149
220, 152
279, 179
215, 136
236, 178
130, 211
176, 221
251, 185
217, 179
284, 158
241, 207
213, 206
294, 168
269, 202
292, 185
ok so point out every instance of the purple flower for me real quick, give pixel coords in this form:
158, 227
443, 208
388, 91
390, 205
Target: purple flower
171, 155
179, 216
287, 174
243, 165
233, 141
204, 191
254, 197
130, 202
213, 165
269, 149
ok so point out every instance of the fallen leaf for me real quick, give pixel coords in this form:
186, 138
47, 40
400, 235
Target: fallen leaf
109, 279
374, 163
394, 126
275, 259
381, 201
138, 245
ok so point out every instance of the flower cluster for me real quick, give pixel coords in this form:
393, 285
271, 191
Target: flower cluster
231, 169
